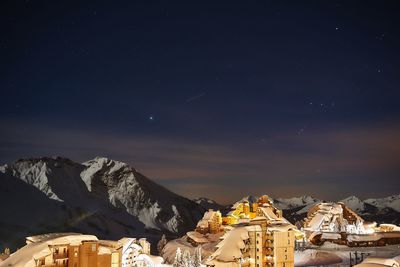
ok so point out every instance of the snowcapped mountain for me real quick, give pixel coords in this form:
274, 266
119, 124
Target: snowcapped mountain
380, 210
376, 209
295, 202
354, 203
207, 203
392, 202
103, 197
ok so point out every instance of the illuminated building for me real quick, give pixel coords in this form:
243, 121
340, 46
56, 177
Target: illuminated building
210, 223
260, 237
87, 251
336, 223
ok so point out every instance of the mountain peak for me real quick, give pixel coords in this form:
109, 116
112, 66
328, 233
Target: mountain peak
101, 161
103, 184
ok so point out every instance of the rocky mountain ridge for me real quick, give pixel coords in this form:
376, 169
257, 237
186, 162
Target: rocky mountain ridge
101, 196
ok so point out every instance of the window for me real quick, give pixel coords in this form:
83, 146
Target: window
93, 247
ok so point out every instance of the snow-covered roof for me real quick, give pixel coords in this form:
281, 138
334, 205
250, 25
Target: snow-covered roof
104, 250
43, 253
208, 215
229, 249
38, 238
268, 213
202, 224
331, 236
72, 239
197, 237
376, 262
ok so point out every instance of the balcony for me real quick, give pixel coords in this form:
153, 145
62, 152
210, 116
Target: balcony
269, 260
269, 252
61, 255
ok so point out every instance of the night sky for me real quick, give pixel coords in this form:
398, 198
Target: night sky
215, 99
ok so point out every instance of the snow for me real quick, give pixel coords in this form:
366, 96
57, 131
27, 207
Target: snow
316, 258
232, 243
23, 256
155, 207
101, 196
316, 222
295, 202
329, 218
354, 203
333, 254
268, 213
207, 249
392, 202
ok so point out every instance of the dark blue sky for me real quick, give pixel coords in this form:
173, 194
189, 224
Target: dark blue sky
209, 99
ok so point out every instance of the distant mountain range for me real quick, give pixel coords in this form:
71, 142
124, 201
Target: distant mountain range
101, 196
381, 210
110, 199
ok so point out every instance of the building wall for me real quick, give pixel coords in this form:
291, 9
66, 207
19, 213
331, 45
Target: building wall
215, 222
104, 260
284, 249
256, 248
73, 256
145, 246
115, 258
88, 254
48, 260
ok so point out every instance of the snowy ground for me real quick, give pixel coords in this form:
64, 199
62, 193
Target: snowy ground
170, 249
329, 254
23, 256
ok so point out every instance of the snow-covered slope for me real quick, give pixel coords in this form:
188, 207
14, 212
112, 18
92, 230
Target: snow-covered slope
380, 210
207, 204
295, 202
155, 206
392, 202
354, 203
101, 196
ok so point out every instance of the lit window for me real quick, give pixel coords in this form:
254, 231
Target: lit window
93, 247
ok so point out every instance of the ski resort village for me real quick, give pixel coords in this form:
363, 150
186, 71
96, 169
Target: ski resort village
103, 213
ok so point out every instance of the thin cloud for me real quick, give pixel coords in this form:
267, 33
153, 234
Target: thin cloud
325, 164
